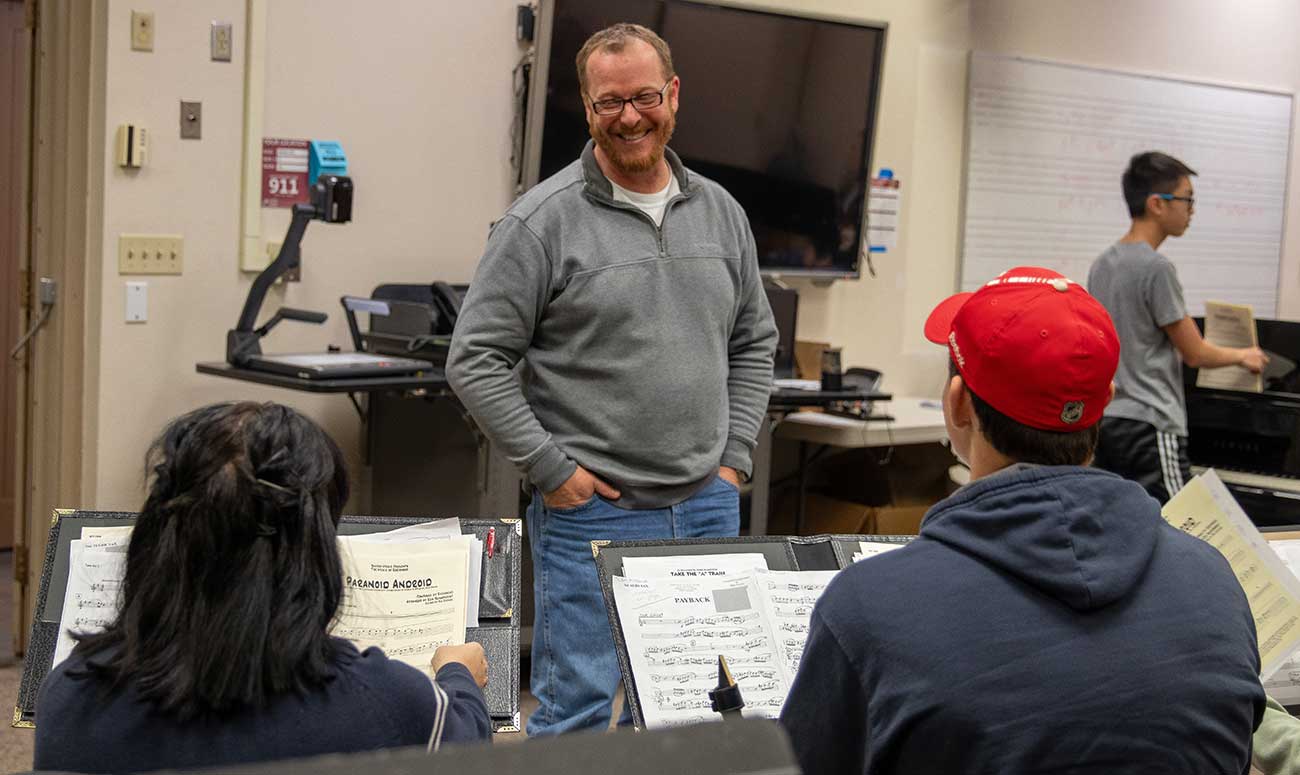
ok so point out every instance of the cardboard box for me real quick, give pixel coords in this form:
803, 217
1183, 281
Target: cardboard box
808, 359
824, 514
821, 515
898, 520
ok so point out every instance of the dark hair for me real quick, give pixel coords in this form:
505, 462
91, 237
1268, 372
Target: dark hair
232, 573
613, 38
1150, 173
1024, 444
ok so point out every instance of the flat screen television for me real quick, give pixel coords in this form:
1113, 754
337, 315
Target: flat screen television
778, 109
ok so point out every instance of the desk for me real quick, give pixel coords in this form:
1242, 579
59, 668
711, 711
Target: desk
426, 456
433, 379
916, 421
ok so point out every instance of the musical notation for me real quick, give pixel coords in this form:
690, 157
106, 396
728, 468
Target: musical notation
789, 587
97, 622
686, 703
705, 675
413, 649
675, 630
393, 633
88, 601
701, 632
748, 659
690, 621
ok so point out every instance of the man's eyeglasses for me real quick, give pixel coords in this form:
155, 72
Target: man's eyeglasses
1190, 200
648, 100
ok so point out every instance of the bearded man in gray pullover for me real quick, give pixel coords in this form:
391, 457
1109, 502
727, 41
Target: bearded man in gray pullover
625, 289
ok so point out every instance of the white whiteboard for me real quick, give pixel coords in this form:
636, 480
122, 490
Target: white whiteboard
1047, 144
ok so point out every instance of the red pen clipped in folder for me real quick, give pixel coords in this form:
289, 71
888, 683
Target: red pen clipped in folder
491, 541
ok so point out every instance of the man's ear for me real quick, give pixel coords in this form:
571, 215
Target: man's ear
957, 403
1155, 205
1111, 397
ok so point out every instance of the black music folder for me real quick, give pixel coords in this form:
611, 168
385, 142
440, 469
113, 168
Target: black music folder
498, 629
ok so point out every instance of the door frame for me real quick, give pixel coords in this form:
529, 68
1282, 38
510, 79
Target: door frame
58, 377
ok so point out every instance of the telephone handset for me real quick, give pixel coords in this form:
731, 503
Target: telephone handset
446, 300
860, 379
866, 380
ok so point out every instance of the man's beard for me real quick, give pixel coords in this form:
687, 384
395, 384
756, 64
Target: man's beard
638, 163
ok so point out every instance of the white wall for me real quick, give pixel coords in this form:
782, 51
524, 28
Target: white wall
878, 320
1235, 43
419, 94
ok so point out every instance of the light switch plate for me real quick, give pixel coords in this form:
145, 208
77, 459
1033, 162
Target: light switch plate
142, 30
150, 253
222, 42
137, 301
191, 120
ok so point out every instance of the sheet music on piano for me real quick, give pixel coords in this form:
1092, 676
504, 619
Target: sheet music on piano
1230, 325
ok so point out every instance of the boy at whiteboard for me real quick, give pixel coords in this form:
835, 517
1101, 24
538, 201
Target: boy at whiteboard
1144, 431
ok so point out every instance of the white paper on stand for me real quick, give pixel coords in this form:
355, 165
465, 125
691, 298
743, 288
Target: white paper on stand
407, 599
688, 566
438, 530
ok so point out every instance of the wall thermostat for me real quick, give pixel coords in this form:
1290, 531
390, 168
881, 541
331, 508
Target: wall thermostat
132, 145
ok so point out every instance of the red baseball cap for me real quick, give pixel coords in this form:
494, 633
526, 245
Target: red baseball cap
1032, 344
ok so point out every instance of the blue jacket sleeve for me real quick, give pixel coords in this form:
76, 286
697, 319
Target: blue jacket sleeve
826, 712
462, 714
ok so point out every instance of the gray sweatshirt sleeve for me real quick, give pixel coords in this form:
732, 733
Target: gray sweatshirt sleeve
506, 299
750, 354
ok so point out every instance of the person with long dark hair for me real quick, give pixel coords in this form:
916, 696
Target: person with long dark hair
220, 653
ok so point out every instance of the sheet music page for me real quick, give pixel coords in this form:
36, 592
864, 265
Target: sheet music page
406, 598
786, 599
1284, 684
873, 548
693, 565
439, 530
1230, 325
113, 533
1204, 508
436, 530
96, 568
674, 630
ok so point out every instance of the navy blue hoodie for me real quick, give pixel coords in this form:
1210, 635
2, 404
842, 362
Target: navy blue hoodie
1045, 620
371, 702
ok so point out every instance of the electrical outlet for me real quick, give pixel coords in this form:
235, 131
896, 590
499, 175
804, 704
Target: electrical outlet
141, 30
150, 253
222, 43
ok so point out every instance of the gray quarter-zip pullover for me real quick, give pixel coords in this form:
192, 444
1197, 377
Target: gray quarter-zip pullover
590, 336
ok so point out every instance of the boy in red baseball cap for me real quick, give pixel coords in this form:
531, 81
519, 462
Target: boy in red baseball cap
1046, 618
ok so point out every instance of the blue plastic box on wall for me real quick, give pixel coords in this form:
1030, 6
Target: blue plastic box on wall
326, 157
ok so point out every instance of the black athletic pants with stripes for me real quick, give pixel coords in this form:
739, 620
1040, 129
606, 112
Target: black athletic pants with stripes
1136, 450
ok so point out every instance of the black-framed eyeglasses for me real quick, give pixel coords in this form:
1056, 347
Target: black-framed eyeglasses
646, 100
1190, 200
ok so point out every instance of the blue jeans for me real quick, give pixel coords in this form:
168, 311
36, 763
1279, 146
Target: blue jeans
574, 668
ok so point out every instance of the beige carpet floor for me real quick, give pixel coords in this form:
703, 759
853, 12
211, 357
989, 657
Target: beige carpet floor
15, 744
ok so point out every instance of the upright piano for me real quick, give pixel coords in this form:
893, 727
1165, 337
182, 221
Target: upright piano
1253, 439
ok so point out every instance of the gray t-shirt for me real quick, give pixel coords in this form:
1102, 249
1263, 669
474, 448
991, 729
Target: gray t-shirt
1140, 289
